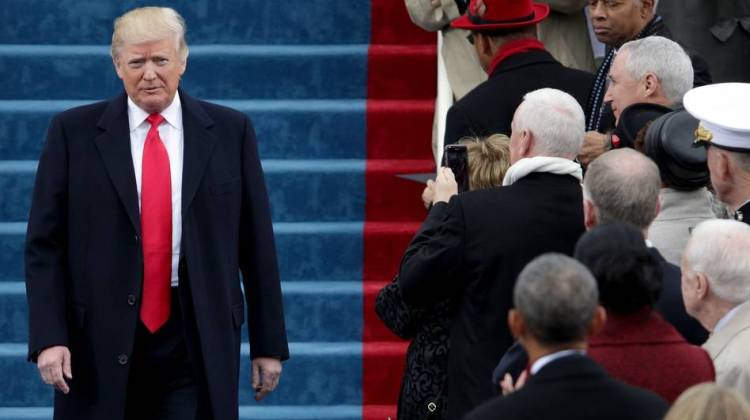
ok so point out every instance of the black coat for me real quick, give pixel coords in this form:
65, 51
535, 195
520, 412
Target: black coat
84, 263
426, 367
479, 250
576, 388
489, 108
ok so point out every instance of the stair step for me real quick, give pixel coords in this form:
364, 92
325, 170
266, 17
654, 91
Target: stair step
304, 412
208, 21
288, 129
273, 72
316, 311
316, 374
325, 251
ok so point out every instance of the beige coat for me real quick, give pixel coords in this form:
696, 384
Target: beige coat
730, 350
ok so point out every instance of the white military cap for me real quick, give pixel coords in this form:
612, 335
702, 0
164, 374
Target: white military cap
724, 113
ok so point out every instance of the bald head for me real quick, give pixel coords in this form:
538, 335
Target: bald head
623, 186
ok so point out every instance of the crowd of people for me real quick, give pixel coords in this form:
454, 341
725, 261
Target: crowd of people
595, 268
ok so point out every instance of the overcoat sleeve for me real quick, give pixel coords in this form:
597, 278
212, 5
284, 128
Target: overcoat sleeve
432, 267
257, 259
46, 259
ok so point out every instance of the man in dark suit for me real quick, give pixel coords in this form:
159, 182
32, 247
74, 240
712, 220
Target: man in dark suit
488, 236
145, 209
556, 310
504, 36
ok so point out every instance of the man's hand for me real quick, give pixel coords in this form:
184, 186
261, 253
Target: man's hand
594, 145
266, 373
507, 386
445, 186
54, 366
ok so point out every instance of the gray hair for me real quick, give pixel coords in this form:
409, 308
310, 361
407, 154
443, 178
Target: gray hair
624, 186
557, 297
718, 249
149, 24
663, 58
555, 120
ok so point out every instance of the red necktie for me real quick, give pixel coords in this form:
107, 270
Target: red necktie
156, 228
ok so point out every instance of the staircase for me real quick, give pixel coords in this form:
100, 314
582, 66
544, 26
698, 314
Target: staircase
341, 95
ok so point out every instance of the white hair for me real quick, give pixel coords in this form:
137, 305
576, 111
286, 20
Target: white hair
149, 24
718, 249
663, 58
554, 119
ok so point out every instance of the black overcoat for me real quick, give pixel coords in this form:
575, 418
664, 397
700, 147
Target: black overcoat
489, 108
84, 259
476, 255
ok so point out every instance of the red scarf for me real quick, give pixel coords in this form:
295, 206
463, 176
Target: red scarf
512, 48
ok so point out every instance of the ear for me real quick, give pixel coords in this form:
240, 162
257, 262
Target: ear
721, 170
516, 324
597, 321
589, 214
658, 207
116, 63
701, 286
651, 85
484, 44
527, 143
647, 8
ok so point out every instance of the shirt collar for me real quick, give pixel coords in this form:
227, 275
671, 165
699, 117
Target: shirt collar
545, 360
727, 317
172, 114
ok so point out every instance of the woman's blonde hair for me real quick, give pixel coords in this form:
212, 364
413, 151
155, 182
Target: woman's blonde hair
489, 159
709, 401
149, 24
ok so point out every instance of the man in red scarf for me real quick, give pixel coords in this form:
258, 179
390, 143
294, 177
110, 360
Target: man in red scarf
505, 39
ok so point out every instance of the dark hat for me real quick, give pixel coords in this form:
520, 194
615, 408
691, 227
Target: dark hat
491, 15
632, 120
669, 142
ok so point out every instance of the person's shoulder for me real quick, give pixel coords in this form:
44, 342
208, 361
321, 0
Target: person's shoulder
505, 407
88, 112
221, 112
650, 404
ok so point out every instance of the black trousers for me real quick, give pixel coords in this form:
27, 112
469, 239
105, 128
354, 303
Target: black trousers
165, 382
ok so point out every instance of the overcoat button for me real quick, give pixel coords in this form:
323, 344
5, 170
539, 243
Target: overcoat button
131, 300
122, 359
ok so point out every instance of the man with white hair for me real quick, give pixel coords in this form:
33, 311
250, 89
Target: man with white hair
145, 209
488, 236
716, 290
652, 70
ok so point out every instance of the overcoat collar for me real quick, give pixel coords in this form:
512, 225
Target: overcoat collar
719, 340
113, 144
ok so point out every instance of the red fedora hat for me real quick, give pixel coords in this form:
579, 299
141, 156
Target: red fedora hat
490, 15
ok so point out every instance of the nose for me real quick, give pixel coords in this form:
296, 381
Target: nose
149, 73
598, 11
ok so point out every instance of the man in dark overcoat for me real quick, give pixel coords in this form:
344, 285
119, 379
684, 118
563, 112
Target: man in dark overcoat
489, 235
145, 209
505, 39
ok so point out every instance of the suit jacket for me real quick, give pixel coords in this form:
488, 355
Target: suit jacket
743, 213
728, 348
477, 253
489, 108
643, 350
670, 304
84, 259
575, 388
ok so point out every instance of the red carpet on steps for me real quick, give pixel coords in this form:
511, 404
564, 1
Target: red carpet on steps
400, 100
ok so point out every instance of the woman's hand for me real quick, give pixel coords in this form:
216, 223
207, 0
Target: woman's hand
445, 186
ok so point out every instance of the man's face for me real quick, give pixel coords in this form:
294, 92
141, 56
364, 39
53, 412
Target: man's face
718, 179
623, 90
150, 73
617, 21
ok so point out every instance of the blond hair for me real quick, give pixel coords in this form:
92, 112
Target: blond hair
709, 401
149, 24
489, 159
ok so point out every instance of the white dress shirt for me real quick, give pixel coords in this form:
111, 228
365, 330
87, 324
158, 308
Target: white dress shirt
173, 138
545, 360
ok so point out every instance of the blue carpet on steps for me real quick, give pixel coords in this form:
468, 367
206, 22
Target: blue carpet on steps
216, 71
286, 129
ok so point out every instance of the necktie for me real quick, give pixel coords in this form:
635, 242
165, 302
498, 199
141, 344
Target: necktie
156, 228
